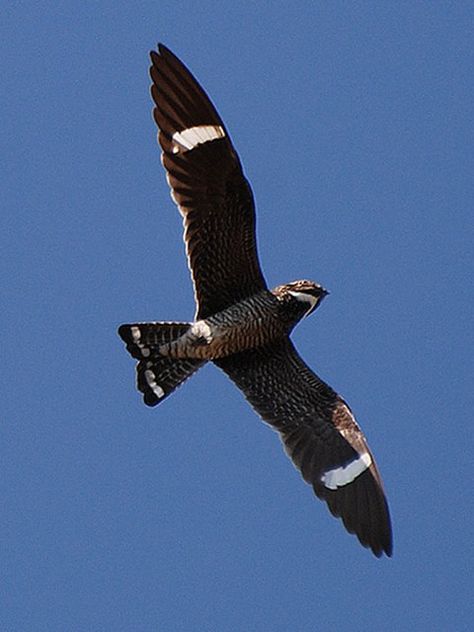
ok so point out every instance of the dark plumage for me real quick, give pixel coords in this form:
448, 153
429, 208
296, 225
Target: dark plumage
241, 325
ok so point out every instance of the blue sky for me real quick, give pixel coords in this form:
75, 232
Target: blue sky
353, 121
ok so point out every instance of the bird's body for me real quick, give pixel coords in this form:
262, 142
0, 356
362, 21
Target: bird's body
253, 322
241, 325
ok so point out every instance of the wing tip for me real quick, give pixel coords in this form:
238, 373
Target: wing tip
160, 51
366, 515
163, 52
376, 533
381, 548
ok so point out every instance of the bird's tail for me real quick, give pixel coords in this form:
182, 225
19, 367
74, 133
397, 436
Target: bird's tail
157, 376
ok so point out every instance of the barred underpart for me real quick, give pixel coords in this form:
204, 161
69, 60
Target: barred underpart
241, 325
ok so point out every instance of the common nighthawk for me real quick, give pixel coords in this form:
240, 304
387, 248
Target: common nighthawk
241, 325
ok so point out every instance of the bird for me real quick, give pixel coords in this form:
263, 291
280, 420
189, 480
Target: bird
241, 325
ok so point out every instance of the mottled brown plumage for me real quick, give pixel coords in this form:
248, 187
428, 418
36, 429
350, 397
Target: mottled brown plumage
241, 325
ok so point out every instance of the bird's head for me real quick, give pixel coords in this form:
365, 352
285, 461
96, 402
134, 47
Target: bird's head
304, 296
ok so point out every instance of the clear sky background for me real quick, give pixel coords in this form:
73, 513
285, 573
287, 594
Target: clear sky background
354, 124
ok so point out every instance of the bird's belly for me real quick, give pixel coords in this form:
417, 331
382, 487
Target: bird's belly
228, 332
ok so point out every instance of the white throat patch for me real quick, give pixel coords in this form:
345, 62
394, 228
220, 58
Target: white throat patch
193, 136
305, 298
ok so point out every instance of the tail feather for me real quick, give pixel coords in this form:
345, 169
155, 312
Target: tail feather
157, 376
143, 339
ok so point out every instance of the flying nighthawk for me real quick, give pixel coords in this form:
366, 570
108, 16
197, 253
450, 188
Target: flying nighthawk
240, 325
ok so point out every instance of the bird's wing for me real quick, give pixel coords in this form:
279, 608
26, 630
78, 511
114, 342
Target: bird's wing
209, 187
320, 435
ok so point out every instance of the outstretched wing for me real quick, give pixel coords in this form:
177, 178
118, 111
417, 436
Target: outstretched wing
320, 435
208, 185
